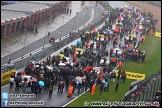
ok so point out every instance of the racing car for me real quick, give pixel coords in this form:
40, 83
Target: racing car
130, 38
104, 61
119, 51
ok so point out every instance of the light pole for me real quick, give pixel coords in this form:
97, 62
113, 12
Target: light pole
75, 21
45, 34
62, 27
24, 46
22, 54
30, 52
86, 18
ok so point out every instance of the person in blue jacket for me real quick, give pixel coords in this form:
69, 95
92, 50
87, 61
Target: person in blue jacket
105, 86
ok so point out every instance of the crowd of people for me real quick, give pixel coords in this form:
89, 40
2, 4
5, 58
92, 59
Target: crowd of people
78, 72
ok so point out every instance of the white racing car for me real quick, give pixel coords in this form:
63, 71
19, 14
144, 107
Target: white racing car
139, 27
119, 51
97, 69
132, 37
27, 76
107, 61
95, 44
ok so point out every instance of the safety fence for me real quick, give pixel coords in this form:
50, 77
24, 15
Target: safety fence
144, 89
51, 48
156, 3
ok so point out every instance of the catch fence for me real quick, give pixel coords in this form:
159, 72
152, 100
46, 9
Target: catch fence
41, 53
144, 89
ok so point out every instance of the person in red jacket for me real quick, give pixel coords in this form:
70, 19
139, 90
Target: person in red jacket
59, 87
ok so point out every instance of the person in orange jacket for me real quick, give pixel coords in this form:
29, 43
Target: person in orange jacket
120, 64
100, 75
88, 45
132, 30
151, 31
70, 91
75, 53
93, 89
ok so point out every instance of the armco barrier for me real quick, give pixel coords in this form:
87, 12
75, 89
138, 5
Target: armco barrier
49, 49
7, 75
144, 89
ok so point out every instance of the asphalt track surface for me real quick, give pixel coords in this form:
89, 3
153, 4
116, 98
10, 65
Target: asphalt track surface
81, 19
57, 99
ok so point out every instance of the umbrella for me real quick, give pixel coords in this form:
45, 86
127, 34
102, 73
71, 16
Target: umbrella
73, 77
78, 42
99, 35
132, 35
68, 70
87, 32
34, 79
31, 81
61, 55
147, 20
136, 23
72, 64
67, 67
105, 31
49, 67
137, 31
18, 79
41, 83
90, 24
84, 78
105, 40
79, 79
94, 30
102, 16
62, 64
43, 72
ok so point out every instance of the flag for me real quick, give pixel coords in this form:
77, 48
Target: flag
90, 2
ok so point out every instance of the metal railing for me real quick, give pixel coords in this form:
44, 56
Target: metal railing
145, 89
41, 53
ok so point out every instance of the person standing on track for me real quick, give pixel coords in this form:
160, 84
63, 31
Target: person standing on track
50, 91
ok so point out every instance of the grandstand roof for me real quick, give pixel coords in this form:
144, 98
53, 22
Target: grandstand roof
24, 6
43, 2
8, 15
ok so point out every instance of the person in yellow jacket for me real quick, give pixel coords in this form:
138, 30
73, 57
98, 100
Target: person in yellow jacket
93, 89
50, 91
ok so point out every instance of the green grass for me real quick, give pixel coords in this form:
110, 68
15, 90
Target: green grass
152, 62
106, 96
4, 83
151, 65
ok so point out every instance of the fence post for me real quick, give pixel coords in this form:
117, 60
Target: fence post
150, 90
